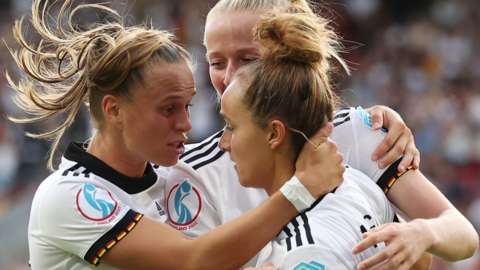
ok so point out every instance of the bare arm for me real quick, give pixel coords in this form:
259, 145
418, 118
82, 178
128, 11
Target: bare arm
156, 246
437, 227
454, 237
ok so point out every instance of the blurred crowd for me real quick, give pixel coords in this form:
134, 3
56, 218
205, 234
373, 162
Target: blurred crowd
418, 57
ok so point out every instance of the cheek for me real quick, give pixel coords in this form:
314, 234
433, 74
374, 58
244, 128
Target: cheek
216, 76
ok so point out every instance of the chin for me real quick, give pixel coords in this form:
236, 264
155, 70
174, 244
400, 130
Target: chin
166, 162
248, 183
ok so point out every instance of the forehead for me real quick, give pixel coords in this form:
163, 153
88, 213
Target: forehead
164, 78
231, 26
231, 103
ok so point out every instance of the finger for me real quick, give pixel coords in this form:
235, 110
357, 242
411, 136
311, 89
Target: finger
381, 259
376, 117
324, 132
395, 153
370, 238
319, 137
394, 262
407, 160
390, 139
405, 265
416, 160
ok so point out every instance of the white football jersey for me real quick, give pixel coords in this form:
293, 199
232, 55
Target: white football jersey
324, 235
217, 195
84, 208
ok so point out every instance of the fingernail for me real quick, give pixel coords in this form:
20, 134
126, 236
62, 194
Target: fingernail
376, 125
401, 168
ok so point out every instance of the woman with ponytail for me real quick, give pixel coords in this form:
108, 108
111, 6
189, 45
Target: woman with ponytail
101, 208
272, 107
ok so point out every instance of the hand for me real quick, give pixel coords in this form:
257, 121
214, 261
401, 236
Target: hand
320, 168
399, 140
267, 266
405, 244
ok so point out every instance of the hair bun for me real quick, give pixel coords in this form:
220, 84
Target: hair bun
284, 37
298, 37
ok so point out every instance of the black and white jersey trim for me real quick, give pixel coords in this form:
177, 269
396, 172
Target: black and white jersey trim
77, 170
341, 117
298, 231
204, 145
85, 163
205, 153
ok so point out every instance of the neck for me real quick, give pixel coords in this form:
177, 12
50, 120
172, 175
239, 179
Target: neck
283, 170
115, 154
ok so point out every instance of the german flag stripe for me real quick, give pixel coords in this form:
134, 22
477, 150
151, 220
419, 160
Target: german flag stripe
112, 237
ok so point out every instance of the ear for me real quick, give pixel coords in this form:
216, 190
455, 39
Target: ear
277, 133
111, 109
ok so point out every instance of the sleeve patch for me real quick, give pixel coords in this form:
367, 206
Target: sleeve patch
364, 116
112, 237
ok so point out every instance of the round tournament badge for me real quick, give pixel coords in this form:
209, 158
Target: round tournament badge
183, 205
95, 203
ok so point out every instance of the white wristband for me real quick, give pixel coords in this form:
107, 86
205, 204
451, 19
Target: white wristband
297, 194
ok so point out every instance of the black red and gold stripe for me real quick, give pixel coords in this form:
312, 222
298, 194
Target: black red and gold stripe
112, 237
390, 176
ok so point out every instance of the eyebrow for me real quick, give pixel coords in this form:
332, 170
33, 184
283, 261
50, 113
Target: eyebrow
180, 95
243, 50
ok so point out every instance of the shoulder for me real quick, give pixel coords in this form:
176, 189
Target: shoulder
203, 153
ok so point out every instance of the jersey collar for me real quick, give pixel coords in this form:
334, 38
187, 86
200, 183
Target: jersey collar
75, 152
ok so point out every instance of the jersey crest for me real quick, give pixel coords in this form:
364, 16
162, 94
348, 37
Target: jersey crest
96, 204
184, 204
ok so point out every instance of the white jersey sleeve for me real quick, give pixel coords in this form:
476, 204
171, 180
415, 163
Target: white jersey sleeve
79, 218
356, 140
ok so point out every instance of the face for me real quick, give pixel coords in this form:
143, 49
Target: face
155, 118
246, 142
229, 43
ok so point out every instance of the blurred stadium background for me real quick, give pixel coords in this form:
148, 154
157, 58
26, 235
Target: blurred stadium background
418, 57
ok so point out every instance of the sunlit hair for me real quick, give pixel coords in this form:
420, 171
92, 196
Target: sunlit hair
256, 6
291, 81
70, 66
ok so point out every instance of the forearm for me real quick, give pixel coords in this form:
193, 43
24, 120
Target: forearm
233, 244
453, 236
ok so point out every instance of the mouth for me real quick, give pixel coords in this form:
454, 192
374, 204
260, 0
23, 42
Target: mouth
178, 146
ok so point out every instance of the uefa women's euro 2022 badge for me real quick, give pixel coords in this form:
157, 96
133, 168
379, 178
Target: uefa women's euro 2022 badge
96, 204
184, 204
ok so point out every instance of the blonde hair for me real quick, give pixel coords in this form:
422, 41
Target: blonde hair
292, 78
259, 6
70, 67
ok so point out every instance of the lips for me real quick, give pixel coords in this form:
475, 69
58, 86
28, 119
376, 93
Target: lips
179, 146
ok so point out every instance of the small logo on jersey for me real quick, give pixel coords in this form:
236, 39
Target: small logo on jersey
313, 265
365, 116
183, 205
96, 204
159, 208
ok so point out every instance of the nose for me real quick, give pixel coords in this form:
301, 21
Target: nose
224, 143
229, 72
183, 122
